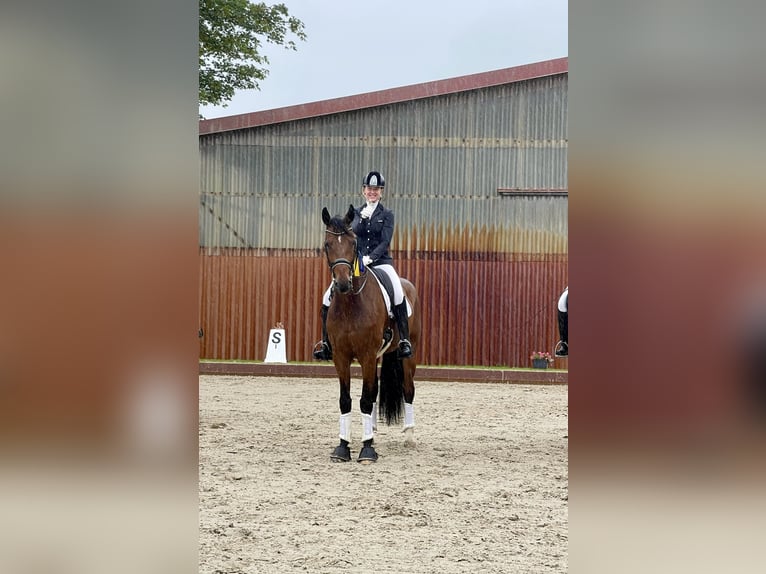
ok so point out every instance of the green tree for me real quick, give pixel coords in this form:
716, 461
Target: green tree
230, 35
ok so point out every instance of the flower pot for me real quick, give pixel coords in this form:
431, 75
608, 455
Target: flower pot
540, 363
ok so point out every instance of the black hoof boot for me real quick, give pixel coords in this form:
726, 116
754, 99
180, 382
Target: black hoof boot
341, 453
367, 454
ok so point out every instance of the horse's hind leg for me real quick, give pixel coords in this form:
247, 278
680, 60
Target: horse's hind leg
374, 401
409, 397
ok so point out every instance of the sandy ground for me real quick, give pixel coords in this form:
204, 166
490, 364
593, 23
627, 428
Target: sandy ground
484, 489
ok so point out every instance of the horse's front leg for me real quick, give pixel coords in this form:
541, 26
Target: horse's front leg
342, 452
367, 405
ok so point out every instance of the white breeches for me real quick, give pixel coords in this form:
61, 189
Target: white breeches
564, 301
391, 272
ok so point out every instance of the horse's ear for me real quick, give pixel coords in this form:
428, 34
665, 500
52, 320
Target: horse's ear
326, 216
349, 215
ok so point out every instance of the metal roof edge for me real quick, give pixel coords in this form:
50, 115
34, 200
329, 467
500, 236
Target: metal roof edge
386, 97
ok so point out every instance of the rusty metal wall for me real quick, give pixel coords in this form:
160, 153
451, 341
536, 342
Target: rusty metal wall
488, 310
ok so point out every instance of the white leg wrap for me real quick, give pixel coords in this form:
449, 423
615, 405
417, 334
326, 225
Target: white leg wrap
374, 416
345, 427
367, 433
326, 297
409, 416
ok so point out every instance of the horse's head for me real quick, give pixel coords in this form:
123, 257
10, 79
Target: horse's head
340, 248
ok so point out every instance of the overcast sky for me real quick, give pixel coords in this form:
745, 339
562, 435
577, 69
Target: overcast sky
358, 46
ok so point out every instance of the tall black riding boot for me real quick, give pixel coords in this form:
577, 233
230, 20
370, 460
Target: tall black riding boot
562, 347
322, 349
400, 314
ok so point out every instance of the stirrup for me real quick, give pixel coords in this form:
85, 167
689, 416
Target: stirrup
322, 351
405, 349
561, 350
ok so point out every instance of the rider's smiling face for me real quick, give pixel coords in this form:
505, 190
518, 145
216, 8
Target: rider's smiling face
372, 193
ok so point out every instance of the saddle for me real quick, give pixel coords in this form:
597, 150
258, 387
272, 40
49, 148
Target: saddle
386, 286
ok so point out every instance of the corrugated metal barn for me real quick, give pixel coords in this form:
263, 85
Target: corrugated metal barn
476, 173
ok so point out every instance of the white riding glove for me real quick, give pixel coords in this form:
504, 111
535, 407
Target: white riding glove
367, 211
366, 259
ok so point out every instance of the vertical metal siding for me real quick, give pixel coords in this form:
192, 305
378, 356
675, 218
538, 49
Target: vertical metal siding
489, 268
452, 149
475, 312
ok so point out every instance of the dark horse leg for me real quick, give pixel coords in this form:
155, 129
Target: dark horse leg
369, 393
342, 452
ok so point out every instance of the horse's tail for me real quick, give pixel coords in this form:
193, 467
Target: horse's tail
391, 400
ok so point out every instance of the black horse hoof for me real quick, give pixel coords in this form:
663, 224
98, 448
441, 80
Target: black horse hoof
367, 455
341, 454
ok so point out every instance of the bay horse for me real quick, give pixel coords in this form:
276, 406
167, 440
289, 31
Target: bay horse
359, 327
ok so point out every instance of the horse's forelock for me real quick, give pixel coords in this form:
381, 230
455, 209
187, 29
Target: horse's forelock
337, 224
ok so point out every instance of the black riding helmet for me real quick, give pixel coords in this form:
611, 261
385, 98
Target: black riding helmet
374, 179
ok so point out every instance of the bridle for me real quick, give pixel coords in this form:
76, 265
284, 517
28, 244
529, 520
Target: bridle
344, 261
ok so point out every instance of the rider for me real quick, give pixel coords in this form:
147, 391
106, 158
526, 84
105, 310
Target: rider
374, 227
562, 347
